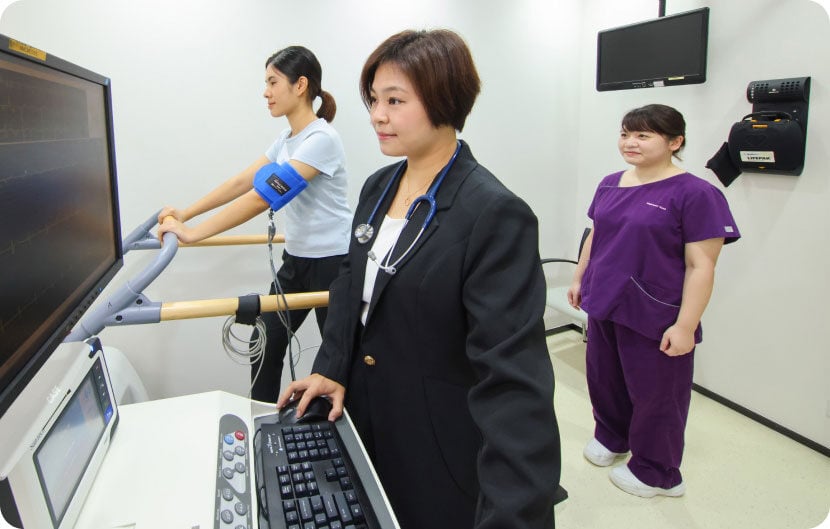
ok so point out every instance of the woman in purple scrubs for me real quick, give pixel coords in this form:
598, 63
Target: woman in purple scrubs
645, 277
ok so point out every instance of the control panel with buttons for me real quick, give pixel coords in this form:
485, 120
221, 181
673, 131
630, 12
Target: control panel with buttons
233, 494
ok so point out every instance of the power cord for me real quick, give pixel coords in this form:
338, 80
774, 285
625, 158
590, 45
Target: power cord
283, 315
246, 351
250, 351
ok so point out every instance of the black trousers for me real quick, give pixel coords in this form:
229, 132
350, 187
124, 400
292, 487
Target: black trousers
297, 274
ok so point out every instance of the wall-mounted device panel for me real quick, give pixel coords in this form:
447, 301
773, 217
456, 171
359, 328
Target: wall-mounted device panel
790, 95
773, 137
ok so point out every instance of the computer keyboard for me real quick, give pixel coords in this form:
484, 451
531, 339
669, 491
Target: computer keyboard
309, 478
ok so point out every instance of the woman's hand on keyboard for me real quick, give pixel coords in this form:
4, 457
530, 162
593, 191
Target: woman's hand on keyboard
314, 385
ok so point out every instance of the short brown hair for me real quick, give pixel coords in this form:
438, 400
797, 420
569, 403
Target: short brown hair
439, 65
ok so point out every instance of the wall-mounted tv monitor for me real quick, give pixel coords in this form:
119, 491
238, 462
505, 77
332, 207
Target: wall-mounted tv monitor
666, 51
60, 237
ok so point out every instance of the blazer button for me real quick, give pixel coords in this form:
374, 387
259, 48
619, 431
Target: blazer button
368, 360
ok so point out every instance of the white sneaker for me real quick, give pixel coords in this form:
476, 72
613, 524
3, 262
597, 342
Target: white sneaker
596, 453
623, 478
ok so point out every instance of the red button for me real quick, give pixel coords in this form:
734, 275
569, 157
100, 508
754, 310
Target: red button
239, 435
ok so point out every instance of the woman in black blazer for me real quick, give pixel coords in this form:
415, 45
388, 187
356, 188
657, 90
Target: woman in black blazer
434, 339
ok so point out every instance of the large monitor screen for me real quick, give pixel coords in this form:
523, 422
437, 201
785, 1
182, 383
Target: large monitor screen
59, 221
665, 51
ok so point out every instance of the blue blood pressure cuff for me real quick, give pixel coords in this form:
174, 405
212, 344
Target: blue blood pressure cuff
277, 184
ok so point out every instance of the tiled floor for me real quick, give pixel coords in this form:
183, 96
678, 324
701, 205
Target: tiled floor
739, 474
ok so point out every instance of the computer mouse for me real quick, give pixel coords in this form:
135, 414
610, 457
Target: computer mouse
317, 410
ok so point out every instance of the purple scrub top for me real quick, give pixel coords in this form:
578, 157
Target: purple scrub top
637, 264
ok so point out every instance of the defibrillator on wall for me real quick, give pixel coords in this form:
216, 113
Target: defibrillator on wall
772, 138
767, 141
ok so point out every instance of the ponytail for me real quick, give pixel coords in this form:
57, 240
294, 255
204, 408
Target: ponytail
328, 108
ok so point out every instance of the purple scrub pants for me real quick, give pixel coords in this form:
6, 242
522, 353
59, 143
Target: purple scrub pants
640, 398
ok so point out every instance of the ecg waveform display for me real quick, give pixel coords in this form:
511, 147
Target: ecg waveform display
51, 245
56, 205
40, 111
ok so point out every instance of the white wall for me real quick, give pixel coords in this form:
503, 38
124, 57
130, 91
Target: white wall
187, 81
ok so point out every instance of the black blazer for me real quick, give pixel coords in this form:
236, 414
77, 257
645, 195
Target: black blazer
456, 409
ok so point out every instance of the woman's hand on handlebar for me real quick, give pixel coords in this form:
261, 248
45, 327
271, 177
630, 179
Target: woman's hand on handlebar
171, 225
170, 211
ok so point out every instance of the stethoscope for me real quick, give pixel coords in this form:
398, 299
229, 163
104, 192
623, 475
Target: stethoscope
365, 231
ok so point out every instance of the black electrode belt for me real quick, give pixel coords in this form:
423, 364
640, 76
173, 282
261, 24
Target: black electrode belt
248, 309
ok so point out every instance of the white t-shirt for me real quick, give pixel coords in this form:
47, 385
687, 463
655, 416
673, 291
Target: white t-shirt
318, 220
